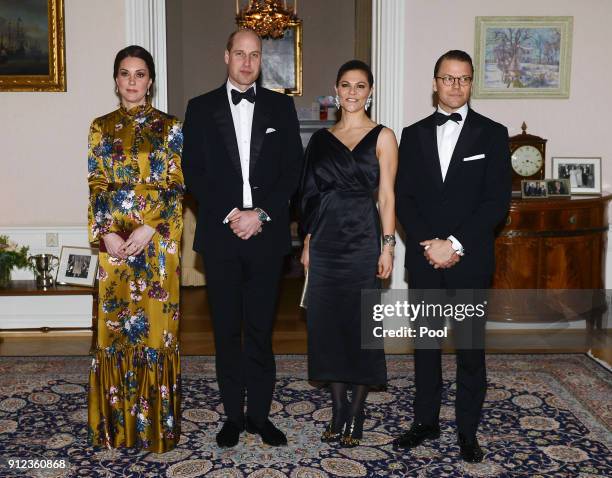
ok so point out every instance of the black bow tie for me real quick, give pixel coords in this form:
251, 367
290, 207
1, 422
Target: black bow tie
238, 96
441, 118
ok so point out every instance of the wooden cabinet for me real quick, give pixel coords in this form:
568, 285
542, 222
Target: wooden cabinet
551, 244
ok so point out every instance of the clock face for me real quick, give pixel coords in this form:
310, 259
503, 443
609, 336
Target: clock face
527, 160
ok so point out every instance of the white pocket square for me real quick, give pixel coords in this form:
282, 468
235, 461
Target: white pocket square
270, 130
472, 158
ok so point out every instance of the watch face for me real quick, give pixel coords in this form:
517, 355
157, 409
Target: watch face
527, 160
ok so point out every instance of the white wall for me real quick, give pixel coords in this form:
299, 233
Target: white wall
44, 135
572, 126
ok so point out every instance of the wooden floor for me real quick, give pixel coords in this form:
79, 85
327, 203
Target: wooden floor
289, 335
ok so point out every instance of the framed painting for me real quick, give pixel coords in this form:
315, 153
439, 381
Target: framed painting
32, 45
522, 57
281, 65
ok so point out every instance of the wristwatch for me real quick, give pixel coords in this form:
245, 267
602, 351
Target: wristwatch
262, 215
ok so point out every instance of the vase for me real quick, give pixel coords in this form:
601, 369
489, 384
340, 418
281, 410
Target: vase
5, 277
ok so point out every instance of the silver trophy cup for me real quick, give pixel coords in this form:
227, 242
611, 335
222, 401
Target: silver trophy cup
43, 265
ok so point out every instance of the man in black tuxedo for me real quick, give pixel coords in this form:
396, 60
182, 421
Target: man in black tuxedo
453, 188
242, 159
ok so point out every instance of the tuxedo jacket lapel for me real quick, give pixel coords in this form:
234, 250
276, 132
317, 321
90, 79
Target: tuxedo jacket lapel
261, 120
469, 134
429, 146
223, 117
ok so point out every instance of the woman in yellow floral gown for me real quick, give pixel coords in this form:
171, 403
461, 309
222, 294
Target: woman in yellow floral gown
136, 188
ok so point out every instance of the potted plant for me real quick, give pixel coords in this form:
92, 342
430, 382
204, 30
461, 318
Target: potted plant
11, 256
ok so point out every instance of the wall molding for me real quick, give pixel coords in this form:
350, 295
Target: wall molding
145, 25
388, 53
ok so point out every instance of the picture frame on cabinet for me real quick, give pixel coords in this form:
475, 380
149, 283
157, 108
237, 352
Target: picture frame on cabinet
558, 188
77, 266
534, 189
583, 173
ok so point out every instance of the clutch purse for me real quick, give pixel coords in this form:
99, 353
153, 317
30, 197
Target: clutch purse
124, 235
304, 298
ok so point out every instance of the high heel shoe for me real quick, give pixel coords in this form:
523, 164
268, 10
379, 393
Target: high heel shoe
353, 432
333, 430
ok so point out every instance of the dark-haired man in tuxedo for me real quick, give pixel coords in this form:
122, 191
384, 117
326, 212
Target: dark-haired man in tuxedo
453, 188
242, 159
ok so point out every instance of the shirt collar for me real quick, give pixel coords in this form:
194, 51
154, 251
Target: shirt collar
463, 111
230, 87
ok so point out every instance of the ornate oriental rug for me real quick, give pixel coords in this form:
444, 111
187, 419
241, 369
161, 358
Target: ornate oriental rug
544, 416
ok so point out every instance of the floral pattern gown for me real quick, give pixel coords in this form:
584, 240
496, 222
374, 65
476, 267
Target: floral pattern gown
135, 178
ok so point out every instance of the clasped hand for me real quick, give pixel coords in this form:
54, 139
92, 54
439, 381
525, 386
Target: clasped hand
440, 253
132, 246
245, 224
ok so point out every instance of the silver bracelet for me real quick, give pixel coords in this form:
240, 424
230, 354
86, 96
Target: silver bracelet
389, 240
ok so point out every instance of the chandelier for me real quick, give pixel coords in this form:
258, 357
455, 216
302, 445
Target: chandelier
268, 18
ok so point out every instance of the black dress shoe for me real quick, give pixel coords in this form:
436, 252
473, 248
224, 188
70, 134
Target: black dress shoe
417, 434
269, 434
470, 450
229, 434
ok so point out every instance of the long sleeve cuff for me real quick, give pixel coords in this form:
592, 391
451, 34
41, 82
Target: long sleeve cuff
456, 245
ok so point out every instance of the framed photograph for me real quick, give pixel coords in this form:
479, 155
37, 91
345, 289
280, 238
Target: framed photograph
32, 45
558, 188
281, 65
522, 57
583, 174
77, 266
534, 189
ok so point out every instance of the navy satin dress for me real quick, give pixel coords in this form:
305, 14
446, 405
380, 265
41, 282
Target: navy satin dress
339, 210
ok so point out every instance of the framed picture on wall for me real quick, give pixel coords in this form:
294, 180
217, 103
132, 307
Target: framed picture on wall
77, 266
522, 57
281, 65
583, 174
32, 45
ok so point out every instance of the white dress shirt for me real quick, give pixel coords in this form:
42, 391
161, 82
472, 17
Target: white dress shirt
242, 115
447, 136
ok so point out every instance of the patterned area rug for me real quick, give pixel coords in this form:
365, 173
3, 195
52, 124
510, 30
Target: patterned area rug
544, 416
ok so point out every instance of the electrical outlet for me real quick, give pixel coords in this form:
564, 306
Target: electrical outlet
52, 239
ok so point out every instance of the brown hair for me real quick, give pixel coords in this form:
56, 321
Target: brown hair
458, 55
135, 51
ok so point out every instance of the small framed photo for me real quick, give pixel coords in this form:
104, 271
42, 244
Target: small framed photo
534, 189
78, 266
584, 174
558, 188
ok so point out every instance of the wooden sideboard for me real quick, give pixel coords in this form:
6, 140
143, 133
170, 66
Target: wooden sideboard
551, 244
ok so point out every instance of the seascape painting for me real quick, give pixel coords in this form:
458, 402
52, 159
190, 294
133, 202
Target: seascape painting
32, 50
24, 37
